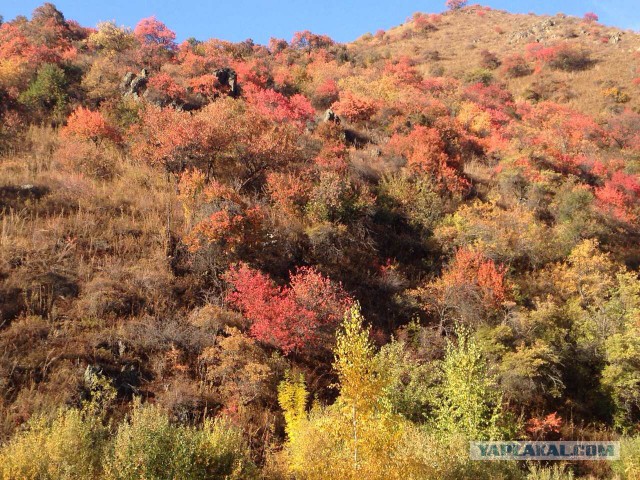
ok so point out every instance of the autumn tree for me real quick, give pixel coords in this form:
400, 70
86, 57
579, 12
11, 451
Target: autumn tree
358, 436
355, 108
218, 217
111, 38
306, 40
472, 287
590, 17
227, 138
455, 4
424, 150
470, 403
157, 42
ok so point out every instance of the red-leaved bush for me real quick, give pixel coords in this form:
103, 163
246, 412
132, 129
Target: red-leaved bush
620, 197
290, 318
163, 83
590, 17
455, 4
295, 109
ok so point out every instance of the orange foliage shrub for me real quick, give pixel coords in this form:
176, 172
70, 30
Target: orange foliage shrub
86, 124
166, 85
288, 191
424, 150
355, 108
541, 428
234, 221
228, 136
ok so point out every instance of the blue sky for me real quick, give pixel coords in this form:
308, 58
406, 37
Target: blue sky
344, 21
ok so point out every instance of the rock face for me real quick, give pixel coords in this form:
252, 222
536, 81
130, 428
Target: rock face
228, 78
541, 31
134, 85
125, 85
330, 116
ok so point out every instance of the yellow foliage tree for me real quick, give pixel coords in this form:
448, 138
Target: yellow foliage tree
359, 436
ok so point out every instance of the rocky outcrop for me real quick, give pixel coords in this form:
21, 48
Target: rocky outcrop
228, 78
134, 85
331, 116
540, 31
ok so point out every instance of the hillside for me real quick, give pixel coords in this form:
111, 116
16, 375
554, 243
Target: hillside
461, 36
316, 260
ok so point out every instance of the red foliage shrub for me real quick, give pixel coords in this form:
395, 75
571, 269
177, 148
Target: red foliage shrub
620, 197
288, 191
422, 21
515, 66
296, 109
561, 56
166, 85
290, 318
560, 130
455, 4
233, 222
403, 70
332, 157
25, 42
207, 85
624, 128
169, 137
326, 93
590, 17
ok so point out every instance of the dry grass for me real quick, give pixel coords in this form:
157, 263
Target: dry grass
75, 246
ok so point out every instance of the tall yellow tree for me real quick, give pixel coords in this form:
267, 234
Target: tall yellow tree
359, 436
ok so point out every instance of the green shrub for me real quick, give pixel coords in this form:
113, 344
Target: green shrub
149, 446
46, 94
555, 472
628, 467
415, 199
479, 75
